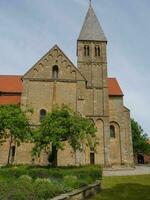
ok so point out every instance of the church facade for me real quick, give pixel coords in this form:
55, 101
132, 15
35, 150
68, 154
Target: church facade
86, 89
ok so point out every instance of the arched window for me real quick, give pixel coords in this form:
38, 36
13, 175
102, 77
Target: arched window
55, 72
112, 131
97, 51
42, 114
86, 50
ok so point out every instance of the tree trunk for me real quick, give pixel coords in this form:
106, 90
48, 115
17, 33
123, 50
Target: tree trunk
9, 152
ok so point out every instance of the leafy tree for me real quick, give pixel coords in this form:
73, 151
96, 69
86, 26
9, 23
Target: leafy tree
140, 139
14, 126
62, 124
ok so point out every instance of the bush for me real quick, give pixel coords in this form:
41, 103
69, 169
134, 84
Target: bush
20, 189
94, 173
38, 173
25, 178
3, 190
44, 188
13, 172
39, 183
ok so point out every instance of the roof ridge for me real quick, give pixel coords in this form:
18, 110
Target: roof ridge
10, 75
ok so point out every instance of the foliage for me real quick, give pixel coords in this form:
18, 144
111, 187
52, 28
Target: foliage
62, 124
25, 178
70, 182
14, 125
45, 188
57, 173
140, 139
14, 122
27, 184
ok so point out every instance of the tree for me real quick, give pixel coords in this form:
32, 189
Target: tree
140, 139
62, 124
14, 125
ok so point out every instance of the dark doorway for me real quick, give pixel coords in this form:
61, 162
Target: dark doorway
13, 152
53, 156
92, 158
140, 159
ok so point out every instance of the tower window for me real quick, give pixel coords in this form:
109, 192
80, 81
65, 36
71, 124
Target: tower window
97, 51
86, 50
112, 131
42, 114
55, 72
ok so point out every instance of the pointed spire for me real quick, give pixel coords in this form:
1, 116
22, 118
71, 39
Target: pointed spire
90, 3
91, 29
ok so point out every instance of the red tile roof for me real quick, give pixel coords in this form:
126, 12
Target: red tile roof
4, 100
10, 83
114, 88
13, 84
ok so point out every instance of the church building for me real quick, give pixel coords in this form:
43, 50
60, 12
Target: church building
85, 88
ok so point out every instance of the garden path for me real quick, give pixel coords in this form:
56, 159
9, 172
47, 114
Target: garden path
138, 170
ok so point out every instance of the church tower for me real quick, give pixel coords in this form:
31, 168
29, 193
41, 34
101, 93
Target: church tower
91, 50
92, 62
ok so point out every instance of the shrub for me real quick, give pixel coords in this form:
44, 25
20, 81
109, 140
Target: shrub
13, 172
21, 189
93, 172
38, 173
70, 182
25, 178
45, 173
39, 183
3, 190
44, 188
43, 180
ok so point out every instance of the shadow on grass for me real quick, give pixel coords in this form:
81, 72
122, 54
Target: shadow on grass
125, 192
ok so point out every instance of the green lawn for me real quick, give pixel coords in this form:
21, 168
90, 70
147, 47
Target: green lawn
125, 188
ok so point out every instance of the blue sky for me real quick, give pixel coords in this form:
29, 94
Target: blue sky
29, 28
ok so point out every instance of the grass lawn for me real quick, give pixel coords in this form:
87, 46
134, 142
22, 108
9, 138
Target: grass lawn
125, 188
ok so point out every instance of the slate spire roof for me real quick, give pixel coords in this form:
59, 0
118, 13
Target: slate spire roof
91, 29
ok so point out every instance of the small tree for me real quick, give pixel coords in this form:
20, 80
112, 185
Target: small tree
140, 139
62, 124
13, 125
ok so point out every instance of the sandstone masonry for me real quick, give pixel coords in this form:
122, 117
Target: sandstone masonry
55, 80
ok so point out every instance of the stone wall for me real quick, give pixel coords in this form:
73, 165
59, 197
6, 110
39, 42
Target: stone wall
82, 193
121, 145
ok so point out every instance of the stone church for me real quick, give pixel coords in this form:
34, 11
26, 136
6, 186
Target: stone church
85, 88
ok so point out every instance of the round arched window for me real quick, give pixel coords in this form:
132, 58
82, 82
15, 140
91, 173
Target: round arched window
112, 131
55, 72
97, 51
42, 114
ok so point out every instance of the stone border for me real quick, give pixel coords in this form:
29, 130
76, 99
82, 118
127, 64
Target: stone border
81, 193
